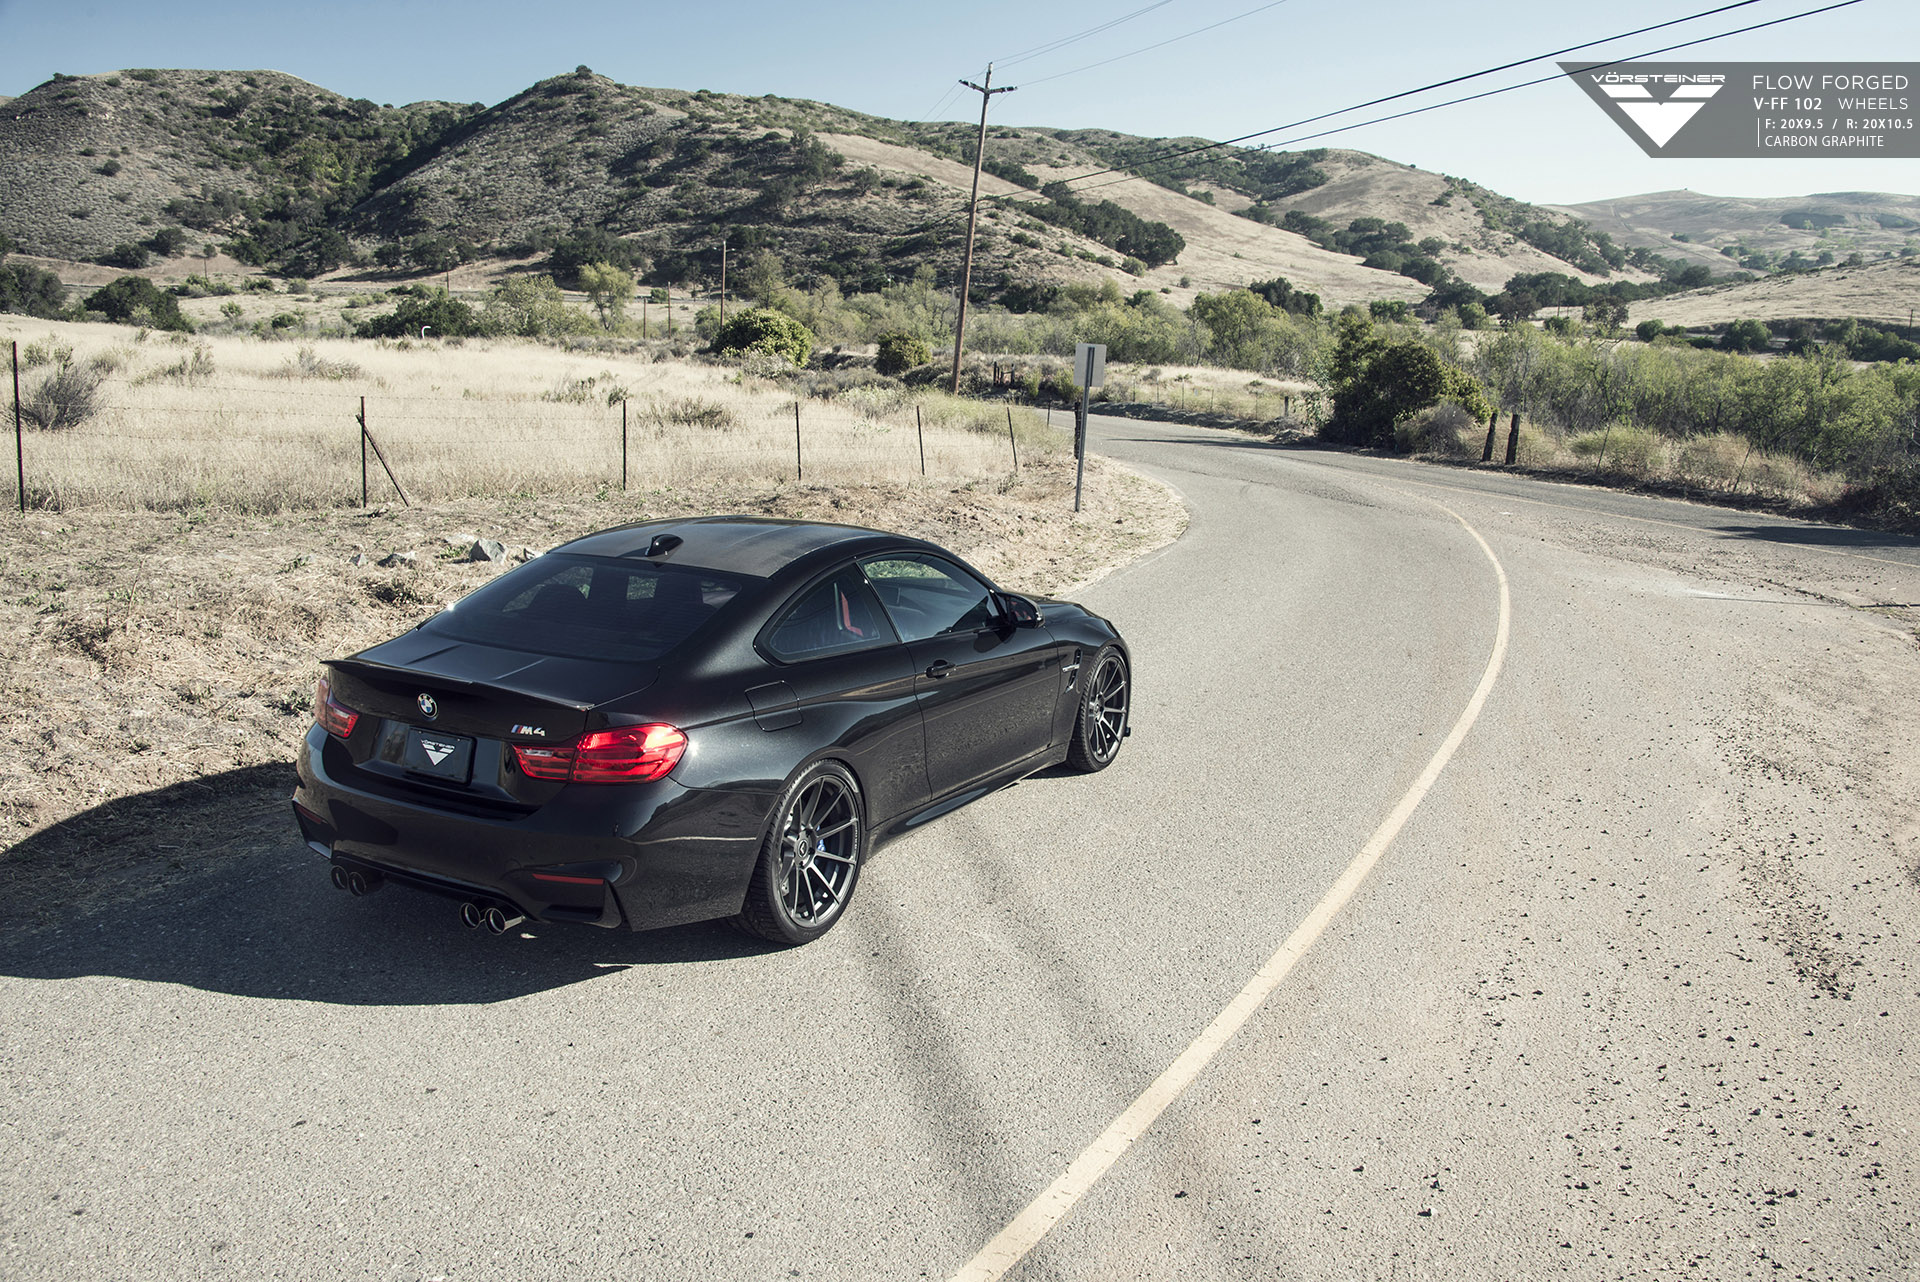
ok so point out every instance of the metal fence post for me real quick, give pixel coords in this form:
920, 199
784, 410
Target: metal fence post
798, 473
920, 430
623, 445
1010, 441
19, 437
363, 451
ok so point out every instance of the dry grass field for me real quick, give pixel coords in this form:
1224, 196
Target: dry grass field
259, 425
197, 548
1886, 292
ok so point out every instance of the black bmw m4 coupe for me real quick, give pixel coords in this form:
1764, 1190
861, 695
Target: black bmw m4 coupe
680, 720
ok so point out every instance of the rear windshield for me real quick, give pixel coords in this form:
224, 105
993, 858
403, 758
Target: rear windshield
588, 608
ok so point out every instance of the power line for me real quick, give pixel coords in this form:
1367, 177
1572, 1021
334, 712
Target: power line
1438, 84
1058, 75
1064, 41
1415, 111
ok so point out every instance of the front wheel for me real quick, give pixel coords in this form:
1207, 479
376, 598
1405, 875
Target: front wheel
1102, 720
809, 859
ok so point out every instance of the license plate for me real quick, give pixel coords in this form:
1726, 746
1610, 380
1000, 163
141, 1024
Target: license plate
443, 756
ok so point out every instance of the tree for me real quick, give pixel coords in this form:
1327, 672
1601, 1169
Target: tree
1747, 336
1606, 311
28, 289
900, 353
135, 300
763, 278
532, 307
761, 329
610, 288
446, 317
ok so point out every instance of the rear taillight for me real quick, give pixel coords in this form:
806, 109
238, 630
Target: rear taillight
626, 754
333, 716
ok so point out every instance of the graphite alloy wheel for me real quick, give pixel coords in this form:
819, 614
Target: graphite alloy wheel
809, 860
1102, 720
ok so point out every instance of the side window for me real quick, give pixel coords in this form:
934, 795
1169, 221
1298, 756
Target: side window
926, 596
832, 616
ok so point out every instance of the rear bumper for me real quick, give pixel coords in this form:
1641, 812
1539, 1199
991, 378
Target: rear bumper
643, 855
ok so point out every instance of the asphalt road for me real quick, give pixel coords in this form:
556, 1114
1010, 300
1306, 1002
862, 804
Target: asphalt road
1635, 990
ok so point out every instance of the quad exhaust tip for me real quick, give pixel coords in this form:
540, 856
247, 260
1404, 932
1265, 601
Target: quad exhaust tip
496, 919
356, 882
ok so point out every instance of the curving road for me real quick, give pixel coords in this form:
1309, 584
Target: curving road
1633, 989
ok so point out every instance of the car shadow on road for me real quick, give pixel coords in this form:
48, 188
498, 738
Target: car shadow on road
206, 884
1827, 536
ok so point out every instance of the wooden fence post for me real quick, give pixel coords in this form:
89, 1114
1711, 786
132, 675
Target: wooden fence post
367, 438
1513, 439
1493, 425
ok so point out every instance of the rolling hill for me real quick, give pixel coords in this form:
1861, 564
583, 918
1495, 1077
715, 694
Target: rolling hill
147, 169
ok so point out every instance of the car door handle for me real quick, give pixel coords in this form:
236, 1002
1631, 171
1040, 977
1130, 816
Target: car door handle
939, 668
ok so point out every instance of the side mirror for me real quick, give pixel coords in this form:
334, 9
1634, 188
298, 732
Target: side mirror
1019, 611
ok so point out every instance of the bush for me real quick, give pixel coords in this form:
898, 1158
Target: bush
135, 300
1648, 330
900, 353
1559, 326
126, 255
761, 329
1747, 336
445, 316
31, 291
66, 397
1473, 316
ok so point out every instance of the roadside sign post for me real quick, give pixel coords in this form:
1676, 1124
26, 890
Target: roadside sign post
1090, 371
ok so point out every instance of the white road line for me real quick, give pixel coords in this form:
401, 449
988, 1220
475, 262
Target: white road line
1014, 1242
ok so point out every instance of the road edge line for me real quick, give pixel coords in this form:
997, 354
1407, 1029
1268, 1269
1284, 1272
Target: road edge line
1013, 1243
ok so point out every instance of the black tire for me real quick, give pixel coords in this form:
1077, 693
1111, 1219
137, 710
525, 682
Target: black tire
1106, 694
810, 858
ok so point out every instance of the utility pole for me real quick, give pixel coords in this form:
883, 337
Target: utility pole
986, 93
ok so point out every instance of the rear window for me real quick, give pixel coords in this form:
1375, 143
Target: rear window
588, 608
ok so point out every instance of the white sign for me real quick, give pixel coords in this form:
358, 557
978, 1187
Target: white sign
1090, 364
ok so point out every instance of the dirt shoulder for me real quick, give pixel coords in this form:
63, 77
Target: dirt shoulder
160, 666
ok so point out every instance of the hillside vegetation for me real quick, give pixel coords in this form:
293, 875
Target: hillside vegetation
143, 166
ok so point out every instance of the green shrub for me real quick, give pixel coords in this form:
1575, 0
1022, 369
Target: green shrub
126, 255
135, 300
761, 329
900, 353
1559, 326
1747, 336
31, 291
1473, 316
447, 317
1648, 330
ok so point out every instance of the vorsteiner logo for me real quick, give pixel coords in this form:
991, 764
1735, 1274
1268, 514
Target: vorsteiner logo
1660, 121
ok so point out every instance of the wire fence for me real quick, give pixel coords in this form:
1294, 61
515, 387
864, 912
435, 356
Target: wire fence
170, 443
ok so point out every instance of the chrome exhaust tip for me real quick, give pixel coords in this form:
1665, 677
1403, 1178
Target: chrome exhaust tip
471, 915
339, 877
499, 922
363, 883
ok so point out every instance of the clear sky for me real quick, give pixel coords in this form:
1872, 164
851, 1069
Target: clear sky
1289, 60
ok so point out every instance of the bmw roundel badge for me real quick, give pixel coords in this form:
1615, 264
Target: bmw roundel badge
428, 708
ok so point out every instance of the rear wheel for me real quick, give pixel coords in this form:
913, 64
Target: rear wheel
1102, 720
809, 859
